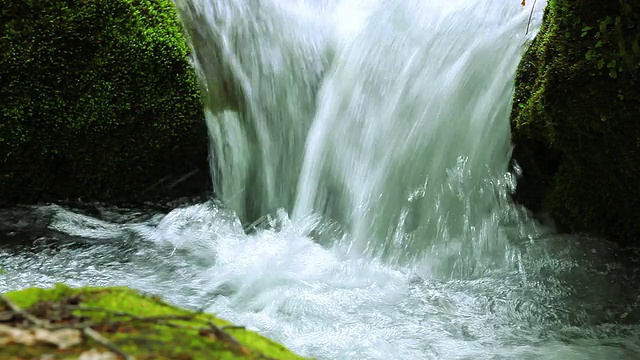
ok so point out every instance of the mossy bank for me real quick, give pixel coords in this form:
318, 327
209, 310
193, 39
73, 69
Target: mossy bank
576, 118
97, 101
64, 324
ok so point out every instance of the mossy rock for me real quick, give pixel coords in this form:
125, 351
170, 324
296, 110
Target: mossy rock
97, 101
143, 327
576, 118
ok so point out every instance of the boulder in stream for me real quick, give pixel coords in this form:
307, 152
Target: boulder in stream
576, 118
98, 102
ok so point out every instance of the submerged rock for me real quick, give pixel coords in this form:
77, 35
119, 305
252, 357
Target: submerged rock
98, 101
115, 323
576, 118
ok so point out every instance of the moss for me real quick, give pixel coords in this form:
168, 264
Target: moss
141, 339
576, 117
97, 100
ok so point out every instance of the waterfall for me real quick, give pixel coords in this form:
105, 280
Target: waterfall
411, 134
267, 58
388, 118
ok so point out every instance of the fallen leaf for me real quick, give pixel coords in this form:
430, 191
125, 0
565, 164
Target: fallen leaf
63, 338
94, 354
10, 335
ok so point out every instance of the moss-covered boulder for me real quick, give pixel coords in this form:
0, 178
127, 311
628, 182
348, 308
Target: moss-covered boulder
576, 117
112, 323
97, 101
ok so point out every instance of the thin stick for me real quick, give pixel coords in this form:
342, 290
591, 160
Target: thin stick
220, 334
531, 15
254, 225
132, 316
106, 342
18, 310
233, 327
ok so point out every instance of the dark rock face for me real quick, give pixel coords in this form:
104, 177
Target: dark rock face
98, 101
576, 118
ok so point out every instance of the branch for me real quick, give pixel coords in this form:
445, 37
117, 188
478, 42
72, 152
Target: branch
530, 16
132, 316
222, 335
106, 342
18, 310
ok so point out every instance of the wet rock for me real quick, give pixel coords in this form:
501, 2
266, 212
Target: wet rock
575, 118
101, 106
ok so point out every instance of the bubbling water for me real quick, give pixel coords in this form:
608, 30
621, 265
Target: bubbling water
568, 298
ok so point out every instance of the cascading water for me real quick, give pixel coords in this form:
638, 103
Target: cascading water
406, 142
382, 128
273, 54
411, 130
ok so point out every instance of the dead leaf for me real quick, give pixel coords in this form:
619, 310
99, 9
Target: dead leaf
94, 354
63, 338
10, 335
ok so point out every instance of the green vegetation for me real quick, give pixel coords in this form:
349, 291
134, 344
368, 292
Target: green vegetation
97, 100
576, 117
125, 323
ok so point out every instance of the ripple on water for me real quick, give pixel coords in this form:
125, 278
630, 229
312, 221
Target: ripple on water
573, 303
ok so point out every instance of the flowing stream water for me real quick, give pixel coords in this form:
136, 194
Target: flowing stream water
369, 145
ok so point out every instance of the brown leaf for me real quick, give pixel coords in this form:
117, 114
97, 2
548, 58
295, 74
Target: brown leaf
63, 338
10, 335
94, 354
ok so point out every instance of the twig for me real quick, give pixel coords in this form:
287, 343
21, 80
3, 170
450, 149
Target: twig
163, 317
159, 320
78, 326
233, 327
220, 334
254, 225
18, 310
182, 179
106, 342
96, 309
132, 316
530, 16
174, 325
92, 324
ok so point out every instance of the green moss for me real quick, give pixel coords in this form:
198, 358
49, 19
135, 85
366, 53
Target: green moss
97, 99
142, 339
576, 117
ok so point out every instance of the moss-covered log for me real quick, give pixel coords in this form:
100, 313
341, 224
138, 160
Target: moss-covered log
576, 117
97, 101
66, 323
